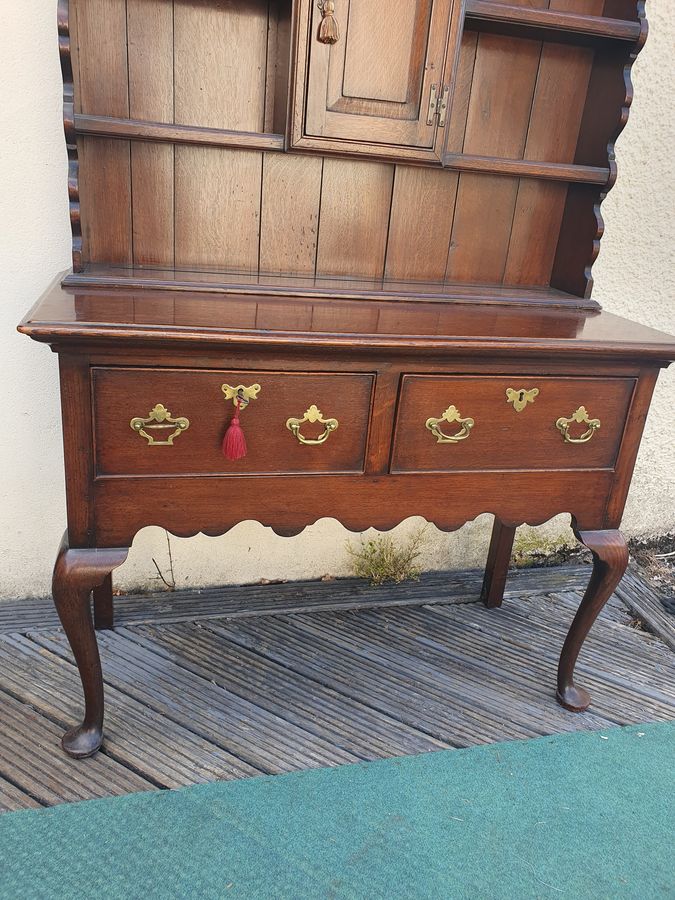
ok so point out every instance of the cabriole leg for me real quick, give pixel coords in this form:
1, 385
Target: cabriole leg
497, 567
610, 558
76, 574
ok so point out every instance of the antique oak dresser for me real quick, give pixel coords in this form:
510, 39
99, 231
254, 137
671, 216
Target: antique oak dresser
333, 258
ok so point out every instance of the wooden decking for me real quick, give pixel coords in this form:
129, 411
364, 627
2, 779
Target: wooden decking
235, 682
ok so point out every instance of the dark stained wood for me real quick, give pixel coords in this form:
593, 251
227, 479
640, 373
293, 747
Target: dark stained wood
610, 558
150, 38
465, 327
501, 438
214, 505
197, 395
496, 568
396, 260
65, 57
76, 574
103, 605
370, 91
608, 101
155, 85
201, 279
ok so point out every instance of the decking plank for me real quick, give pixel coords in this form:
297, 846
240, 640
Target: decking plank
459, 679
520, 649
346, 723
12, 799
646, 603
234, 601
31, 760
231, 682
135, 735
368, 681
263, 740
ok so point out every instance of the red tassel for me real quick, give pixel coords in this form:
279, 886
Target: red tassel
234, 442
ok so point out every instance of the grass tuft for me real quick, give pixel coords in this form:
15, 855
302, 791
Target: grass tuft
381, 559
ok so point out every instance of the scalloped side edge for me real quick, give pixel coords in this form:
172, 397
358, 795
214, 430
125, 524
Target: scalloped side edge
611, 145
65, 56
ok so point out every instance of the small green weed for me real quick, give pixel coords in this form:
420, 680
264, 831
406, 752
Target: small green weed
381, 559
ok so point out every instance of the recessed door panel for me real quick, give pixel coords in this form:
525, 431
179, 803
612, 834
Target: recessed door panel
373, 89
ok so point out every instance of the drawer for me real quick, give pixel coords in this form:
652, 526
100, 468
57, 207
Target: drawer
490, 429
121, 395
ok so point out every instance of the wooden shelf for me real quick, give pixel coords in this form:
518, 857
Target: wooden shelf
547, 24
97, 275
139, 130
524, 168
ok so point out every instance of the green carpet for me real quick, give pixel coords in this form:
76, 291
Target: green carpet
582, 815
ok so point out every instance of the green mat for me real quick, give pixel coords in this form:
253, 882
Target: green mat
581, 815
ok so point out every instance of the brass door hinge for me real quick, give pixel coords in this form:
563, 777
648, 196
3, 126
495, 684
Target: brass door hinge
438, 105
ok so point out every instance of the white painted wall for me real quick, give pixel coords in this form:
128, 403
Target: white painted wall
635, 276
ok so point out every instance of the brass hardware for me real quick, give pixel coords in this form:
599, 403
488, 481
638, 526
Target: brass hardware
581, 417
241, 396
312, 415
433, 104
160, 418
521, 398
451, 415
438, 105
443, 107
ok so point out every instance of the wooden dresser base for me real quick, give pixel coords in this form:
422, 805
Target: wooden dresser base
522, 416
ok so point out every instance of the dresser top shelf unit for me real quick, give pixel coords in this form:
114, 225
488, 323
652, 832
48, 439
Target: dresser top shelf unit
449, 158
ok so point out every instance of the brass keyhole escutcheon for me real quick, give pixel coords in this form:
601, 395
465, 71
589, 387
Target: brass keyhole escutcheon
241, 395
520, 398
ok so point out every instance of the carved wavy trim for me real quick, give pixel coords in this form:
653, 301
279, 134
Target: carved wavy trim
353, 527
65, 55
583, 224
611, 145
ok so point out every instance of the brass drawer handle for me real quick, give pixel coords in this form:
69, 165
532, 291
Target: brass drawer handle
451, 416
580, 417
160, 419
312, 415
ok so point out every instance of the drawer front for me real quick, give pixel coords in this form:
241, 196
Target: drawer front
490, 429
190, 442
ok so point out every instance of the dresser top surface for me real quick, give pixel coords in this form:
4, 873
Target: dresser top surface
69, 314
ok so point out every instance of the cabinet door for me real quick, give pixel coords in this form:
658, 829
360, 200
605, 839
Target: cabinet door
380, 89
